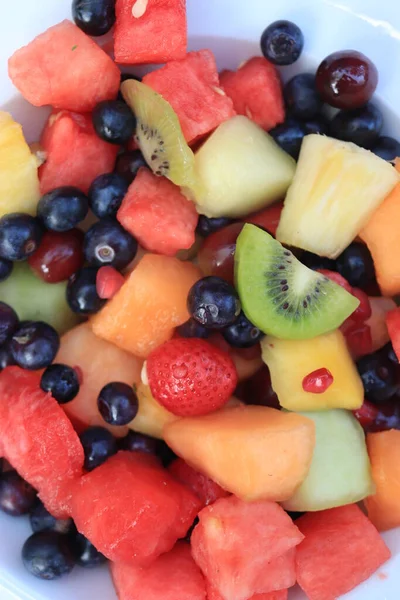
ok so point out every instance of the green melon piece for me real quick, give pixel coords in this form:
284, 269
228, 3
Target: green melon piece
34, 299
340, 471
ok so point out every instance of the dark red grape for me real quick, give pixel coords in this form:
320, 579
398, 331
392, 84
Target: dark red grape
346, 79
59, 255
216, 255
258, 390
379, 418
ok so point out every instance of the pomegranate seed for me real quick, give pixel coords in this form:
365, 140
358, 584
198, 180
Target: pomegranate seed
367, 414
363, 311
318, 381
59, 255
108, 282
337, 278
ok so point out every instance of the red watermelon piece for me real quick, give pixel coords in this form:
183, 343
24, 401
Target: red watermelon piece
340, 550
75, 154
38, 439
131, 509
172, 576
205, 488
156, 36
393, 325
256, 91
268, 218
65, 68
158, 215
213, 594
191, 86
245, 549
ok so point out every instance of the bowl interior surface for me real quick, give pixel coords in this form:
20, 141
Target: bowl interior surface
232, 30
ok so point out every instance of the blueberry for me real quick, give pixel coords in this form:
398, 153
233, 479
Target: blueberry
114, 122
289, 136
85, 554
379, 376
82, 295
63, 208
98, 445
318, 125
16, 495
34, 345
6, 267
107, 243
301, 96
61, 381
387, 148
165, 454
47, 555
118, 403
242, 333
8, 322
213, 302
193, 329
6, 358
20, 236
361, 126
356, 265
208, 225
106, 194
129, 163
282, 42
138, 442
315, 262
41, 520
94, 17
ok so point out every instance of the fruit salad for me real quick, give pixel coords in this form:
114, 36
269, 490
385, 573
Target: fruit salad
199, 339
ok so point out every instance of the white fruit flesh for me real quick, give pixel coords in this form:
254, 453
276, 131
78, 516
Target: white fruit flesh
340, 471
241, 169
19, 182
336, 188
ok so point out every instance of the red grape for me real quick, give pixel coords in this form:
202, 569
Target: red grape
58, 256
258, 390
346, 79
373, 418
363, 312
216, 255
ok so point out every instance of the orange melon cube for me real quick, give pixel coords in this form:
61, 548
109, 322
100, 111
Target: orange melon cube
150, 304
384, 453
254, 452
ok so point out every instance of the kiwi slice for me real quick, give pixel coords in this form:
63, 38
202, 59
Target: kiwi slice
159, 135
280, 295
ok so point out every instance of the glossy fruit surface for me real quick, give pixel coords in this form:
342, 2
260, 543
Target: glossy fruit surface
128, 164
362, 126
216, 255
282, 42
346, 79
59, 255
94, 17
16, 495
114, 122
47, 555
108, 243
301, 96
213, 302
8, 322
34, 345
118, 403
62, 209
98, 445
82, 294
20, 236
61, 381
106, 194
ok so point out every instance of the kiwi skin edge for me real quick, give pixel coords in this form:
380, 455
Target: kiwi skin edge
280, 295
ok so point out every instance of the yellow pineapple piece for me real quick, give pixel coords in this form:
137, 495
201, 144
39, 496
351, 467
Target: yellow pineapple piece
336, 188
290, 361
19, 182
151, 417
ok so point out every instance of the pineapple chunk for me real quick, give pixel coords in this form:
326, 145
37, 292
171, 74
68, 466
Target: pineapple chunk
151, 417
19, 182
336, 188
241, 170
289, 361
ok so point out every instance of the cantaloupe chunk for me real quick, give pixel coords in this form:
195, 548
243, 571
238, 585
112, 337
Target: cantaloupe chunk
100, 363
151, 417
290, 361
384, 453
382, 236
150, 304
393, 325
252, 451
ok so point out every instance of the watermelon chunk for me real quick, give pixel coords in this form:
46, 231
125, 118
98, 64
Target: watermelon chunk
155, 212
38, 439
213, 594
131, 509
393, 325
172, 576
256, 91
340, 550
245, 549
65, 68
192, 88
75, 154
205, 488
158, 35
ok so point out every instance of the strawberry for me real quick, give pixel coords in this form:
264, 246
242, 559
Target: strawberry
363, 311
191, 377
205, 488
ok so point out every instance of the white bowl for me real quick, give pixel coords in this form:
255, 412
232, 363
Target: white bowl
232, 30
